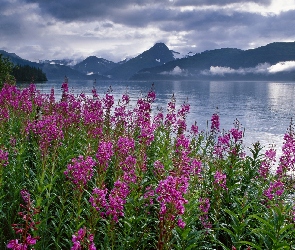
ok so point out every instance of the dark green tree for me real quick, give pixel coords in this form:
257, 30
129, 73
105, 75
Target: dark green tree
26, 73
6, 71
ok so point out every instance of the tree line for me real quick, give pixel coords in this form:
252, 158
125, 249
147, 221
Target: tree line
26, 73
10, 73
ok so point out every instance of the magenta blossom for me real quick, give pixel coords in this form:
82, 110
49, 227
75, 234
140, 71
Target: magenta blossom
83, 238
80, 171
275, 190
113, 205
170, 192
104, 153
215, 123
220, 179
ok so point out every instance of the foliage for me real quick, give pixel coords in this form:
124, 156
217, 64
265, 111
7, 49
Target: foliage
84, 173
26, 73
5, 71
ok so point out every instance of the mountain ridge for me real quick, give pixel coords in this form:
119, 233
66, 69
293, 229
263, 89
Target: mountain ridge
159, 62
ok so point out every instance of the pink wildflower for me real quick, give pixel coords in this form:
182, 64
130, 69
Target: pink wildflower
220, 179
104, 153
215, 123
80, 171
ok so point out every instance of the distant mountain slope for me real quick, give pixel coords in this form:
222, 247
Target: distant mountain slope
52, 70
56, 71
94, 65
16, 60
155, 56
229, 58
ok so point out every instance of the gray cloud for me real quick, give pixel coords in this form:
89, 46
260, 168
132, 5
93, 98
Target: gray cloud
69, 10
216, 2
44, 29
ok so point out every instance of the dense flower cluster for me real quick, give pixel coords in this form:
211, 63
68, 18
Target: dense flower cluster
170, 192
80, 171
149, 173
82, 240
220, 179
104, 153
267, 163
275, 190
48, 132
287, 160
215, 123
110, 203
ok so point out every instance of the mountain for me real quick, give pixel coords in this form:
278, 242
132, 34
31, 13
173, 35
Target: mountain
274, 61
54, 69
157, 55
94, 65
229, 63
16, 60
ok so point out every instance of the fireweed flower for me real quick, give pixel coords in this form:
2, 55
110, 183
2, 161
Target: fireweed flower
125, 145
104, 153
170, 193
147, 134
220, 179
236, 134
83, 238
215, 123
80, 171
92, 116
3, 158
151, 96
98, 199
194, 129
184, 110
4, 115
117, 200
275, 190
158, 120
171, 116
142, 113
48, 130
128, 166
196, 166
110, 203
108, 101
92, 112
222, 146
125, 99
267, 163
287, 160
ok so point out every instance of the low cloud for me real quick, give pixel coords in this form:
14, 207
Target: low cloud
264, 68
177, 71
282, 66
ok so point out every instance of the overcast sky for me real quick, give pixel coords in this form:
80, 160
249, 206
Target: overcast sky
116, 29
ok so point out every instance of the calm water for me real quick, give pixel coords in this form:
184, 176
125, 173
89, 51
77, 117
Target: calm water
263, 108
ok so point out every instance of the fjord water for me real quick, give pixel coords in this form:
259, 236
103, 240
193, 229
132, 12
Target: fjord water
264, 109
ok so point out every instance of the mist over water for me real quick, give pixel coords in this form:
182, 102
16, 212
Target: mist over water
264, 109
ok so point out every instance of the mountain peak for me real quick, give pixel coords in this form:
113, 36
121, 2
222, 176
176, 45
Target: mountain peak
160, 45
